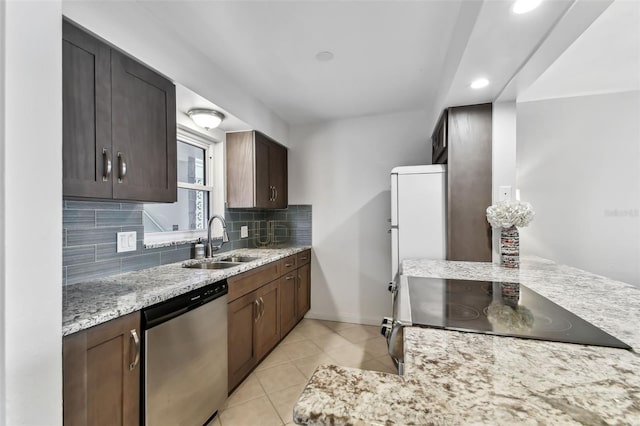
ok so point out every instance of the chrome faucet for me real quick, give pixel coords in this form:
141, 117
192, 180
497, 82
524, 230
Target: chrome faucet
225, 238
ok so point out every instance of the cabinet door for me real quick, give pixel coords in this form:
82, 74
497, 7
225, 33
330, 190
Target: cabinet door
278, 175
268, 324
304, 290
144, 132
288, 302
101, 374
86, 115
263, 188
242, 354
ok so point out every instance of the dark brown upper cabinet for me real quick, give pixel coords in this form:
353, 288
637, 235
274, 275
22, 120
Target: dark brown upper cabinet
462, 140
119, 124
256, 171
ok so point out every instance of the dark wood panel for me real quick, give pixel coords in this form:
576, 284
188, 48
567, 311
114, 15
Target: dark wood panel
439, 140
263, 185
244, 283
278, 174
303, 257
86, 114
288, 302
303, 295
242, 354
240, 172
268, 325
99, 388
144, 132
288, 264
469, 183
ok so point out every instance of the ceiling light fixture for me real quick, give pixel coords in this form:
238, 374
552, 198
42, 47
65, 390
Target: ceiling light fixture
206, 118
524, 6
324, 56
479, 83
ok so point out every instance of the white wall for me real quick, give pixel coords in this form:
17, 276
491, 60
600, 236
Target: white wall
343, 169
579, 165
503, 158
132, 28
31, 214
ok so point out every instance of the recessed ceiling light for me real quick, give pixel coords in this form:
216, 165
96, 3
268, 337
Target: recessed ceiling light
479, 83
524, 6
324, 56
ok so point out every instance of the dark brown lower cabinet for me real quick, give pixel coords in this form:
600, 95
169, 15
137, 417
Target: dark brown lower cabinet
268, 322
303, 293
101, 374
242, 353
275, 300
288, 302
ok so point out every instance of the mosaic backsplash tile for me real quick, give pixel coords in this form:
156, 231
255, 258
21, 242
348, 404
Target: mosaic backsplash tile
90, 228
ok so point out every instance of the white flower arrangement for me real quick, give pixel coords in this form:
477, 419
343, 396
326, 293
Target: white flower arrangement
508, 213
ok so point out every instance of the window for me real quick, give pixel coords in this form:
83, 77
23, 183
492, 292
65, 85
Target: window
188, 216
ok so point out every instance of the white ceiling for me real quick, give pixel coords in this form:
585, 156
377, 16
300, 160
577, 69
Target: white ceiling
604, 59
389, 55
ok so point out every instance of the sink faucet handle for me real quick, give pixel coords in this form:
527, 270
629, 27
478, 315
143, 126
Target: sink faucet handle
225, 236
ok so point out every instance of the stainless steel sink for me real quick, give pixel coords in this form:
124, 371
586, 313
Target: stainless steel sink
240, 259
212, 265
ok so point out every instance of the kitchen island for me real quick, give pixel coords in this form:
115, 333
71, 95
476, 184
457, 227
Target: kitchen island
455, 377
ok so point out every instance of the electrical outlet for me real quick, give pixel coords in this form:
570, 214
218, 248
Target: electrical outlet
126, 241
504, 193
244, 232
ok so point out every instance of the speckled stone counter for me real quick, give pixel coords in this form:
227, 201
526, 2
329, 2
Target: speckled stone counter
97, 301
466, 378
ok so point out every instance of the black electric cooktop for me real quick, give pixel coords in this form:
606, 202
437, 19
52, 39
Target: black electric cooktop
505, 309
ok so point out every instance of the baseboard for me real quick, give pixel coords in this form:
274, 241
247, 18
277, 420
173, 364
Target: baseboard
352, 318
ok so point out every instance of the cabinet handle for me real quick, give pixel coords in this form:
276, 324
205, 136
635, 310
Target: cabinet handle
303, 258
106, 165
256, 310
262, 307
136, 342
122, 167
273, 193
290, 277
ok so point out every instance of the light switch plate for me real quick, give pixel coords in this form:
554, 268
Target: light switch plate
244, 232
126, 241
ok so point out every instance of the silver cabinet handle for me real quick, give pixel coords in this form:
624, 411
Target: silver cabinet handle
262, 307
136, 342
290, 277
106, 165
122, 167
257, 310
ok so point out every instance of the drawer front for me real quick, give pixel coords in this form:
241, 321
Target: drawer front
249, 281
288, 264
303, 257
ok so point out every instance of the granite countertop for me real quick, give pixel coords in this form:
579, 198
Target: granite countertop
96, 301
466, 378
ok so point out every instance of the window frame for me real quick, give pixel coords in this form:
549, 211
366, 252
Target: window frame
188, 136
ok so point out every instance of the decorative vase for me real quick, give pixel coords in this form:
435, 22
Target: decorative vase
510, 247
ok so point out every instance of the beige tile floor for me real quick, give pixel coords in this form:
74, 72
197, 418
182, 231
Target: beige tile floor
267, 396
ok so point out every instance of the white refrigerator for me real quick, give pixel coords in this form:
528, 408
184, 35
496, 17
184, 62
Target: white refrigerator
418, 214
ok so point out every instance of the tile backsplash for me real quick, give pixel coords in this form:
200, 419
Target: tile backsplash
90, 227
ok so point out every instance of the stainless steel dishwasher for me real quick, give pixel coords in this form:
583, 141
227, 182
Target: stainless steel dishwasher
185, 354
